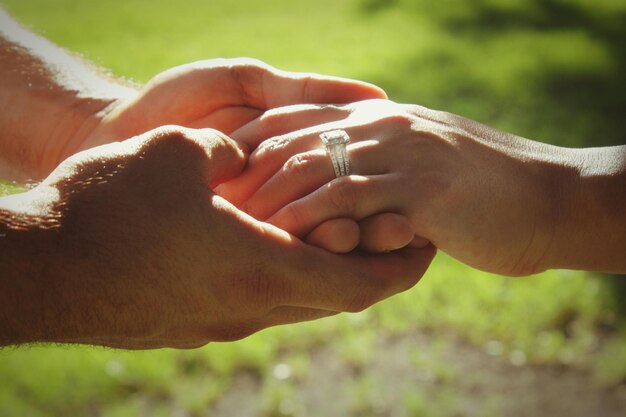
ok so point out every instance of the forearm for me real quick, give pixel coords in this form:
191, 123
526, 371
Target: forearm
49, 100
585, 224
591, 232
27, 236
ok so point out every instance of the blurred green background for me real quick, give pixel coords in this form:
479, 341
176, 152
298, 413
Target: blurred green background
463, 342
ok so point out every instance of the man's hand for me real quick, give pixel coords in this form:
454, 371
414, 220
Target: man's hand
126, 245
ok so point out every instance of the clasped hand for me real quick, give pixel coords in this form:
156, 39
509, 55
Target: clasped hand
183, 234
144, 254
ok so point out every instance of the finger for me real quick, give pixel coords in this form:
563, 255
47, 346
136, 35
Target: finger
185, 151
283, 120
353, 282
304, 173
294, 88
272, 154
419, 242
228, 119
385, 232
353, 197
335, 235
264, 86
253, 83
302, 275
226, 159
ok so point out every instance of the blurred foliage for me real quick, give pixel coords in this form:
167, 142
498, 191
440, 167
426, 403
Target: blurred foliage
7, 187
551, 70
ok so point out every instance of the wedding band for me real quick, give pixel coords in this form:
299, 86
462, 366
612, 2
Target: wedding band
335, 142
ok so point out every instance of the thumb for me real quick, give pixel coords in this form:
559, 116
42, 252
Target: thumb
264, 87
186, 153
184, 157
226, 158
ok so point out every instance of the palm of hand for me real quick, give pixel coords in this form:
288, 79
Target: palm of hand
223, 94
204, 94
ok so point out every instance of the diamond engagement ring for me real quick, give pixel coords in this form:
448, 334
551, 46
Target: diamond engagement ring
335, 142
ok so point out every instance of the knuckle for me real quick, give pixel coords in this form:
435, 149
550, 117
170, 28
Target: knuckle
308, 88
167, 138
172, 156
298, 166
249, 75
343, 195
397, 121
269, 150
179, 143
271, 146
389, 115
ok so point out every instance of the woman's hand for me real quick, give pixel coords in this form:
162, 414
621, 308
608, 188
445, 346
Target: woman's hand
490, 199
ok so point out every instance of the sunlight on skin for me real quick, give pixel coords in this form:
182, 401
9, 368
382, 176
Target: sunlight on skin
83, 80
486, 197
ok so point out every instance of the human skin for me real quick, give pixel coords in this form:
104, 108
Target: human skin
125, 245
78, 106
493, 200
53, 105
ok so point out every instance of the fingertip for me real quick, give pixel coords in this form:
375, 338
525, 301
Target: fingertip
320, 88
355, 90
336, 235
385, 232
375, 91
419, 242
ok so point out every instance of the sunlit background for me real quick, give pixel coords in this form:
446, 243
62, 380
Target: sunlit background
461, 343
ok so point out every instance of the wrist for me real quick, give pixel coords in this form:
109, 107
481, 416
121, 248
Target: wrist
46, 127
48, 100
28, 230
75, 123
590, 232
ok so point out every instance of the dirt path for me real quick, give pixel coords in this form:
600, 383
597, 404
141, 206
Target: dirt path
411, 376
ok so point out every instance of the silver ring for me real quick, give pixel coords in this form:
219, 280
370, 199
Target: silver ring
335, 142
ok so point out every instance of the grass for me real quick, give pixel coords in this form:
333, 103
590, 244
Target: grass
549, 70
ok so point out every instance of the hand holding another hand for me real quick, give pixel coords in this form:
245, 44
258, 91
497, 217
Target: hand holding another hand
222, 94
142, 253
225, 94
